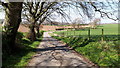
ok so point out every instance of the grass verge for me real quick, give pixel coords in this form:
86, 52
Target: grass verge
26, 49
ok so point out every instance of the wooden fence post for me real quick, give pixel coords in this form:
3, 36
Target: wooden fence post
67, 32
79, 34
89, 34
102, 38
74, 32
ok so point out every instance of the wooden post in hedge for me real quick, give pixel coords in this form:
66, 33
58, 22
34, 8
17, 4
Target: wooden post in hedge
89, 34
102, 38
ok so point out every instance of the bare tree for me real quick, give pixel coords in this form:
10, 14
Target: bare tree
77, 23
34, 12
44, 12
95, 22
41, 20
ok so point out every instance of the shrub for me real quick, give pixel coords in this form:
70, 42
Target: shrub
41, 32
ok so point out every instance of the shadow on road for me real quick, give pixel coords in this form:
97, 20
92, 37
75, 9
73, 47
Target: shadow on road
52, 48
48, 39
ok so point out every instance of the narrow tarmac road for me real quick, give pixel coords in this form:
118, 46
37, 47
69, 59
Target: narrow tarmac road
52, 52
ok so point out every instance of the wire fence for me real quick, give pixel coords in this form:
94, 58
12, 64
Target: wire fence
101, 34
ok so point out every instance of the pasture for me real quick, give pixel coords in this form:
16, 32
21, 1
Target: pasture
109, 29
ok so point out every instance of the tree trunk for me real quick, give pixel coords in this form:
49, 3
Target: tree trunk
38, 31
11, 23
32, 34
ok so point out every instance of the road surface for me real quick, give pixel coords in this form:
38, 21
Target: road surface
52, 52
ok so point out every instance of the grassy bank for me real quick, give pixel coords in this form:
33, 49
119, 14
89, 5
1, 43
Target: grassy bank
26, 49
101, 53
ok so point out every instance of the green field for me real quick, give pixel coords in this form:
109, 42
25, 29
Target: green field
101, 52
109, 29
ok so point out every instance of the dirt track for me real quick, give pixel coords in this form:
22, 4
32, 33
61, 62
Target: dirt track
52, 52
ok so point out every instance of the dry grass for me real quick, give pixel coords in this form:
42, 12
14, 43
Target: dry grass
23, 29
